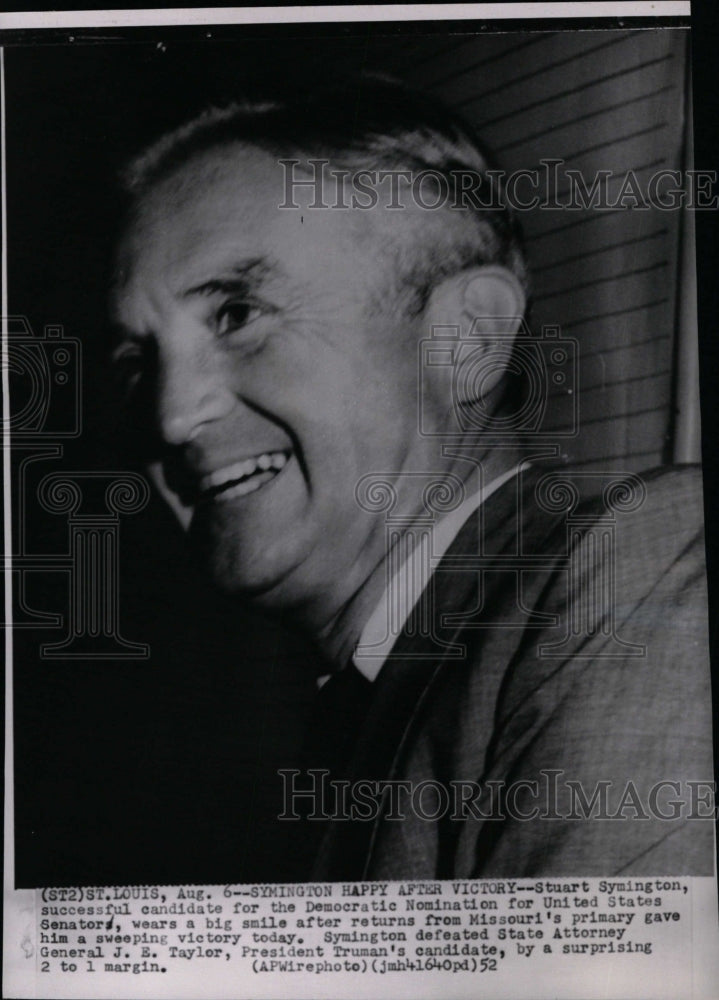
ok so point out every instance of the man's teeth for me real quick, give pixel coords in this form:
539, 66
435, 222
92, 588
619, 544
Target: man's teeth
243, 488
274, 460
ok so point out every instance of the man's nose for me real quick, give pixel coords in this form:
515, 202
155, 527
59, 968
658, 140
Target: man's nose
192, 393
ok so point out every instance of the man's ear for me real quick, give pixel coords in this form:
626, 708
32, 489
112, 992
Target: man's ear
485, 305
487, 300
492, 302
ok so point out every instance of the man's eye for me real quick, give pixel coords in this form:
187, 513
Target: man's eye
129, 363
234, 316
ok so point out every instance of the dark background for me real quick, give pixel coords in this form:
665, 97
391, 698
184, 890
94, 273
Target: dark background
164, 770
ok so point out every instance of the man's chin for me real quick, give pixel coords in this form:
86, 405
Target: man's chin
235, 566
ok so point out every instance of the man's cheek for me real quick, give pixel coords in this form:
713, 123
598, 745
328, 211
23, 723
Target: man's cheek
183, 512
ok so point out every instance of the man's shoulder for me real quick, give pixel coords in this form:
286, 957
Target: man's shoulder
623, 601
659, 511
656, 512
658, 486
659, 515
659, 491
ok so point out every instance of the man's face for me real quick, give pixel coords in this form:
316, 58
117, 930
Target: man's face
283, 371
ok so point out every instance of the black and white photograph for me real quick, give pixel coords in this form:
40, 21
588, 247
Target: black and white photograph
354, 506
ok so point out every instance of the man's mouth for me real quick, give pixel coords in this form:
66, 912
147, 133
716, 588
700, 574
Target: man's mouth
242, 478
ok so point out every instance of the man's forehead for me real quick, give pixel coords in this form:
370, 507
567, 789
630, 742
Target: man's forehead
210, 217
229, 204
236, 192
207, 188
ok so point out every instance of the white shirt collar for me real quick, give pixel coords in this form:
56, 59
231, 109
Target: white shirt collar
391, 612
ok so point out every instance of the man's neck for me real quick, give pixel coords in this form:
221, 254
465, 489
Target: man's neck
338, 636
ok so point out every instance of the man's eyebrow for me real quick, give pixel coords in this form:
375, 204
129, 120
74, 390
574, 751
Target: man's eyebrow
238, 277
121, 334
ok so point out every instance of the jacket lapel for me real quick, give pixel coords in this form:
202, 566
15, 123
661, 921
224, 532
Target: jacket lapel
404, 685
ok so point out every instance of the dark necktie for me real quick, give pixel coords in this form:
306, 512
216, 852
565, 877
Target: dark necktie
339, 711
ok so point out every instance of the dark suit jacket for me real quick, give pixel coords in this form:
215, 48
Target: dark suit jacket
583, 658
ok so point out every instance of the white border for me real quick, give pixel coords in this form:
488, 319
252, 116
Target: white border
345, 13
9, 867
20, 978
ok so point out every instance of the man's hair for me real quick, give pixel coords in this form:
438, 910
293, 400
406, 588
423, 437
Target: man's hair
369, 122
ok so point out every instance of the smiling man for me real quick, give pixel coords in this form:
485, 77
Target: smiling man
277, 345
286, 351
